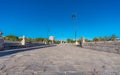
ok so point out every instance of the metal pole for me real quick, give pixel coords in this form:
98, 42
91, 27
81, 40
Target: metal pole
74, 17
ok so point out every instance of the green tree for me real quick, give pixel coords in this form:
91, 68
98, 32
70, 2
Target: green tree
57, 42
87, 40
113, 37
106, 38
79, 40
39, 39
70, 41
96, 39
11, 38
29, 40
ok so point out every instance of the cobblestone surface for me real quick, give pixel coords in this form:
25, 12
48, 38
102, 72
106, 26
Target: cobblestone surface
62, 59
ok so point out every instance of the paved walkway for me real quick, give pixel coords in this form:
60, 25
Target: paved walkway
60, 60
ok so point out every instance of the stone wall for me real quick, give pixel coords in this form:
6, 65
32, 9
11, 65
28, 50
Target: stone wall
1, 43
14, 45
107, 46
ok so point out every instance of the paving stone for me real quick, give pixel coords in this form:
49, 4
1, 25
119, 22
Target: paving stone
74, 73
64, 68
60, 60
118, 73
2, 66
35, 67
107, 73
87, 73
14, 73
17, 72
1, 73
21, 74
14, 70
45, 73
52, 68
62, 73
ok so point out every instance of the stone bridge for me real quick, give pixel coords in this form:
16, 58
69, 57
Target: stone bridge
63, 59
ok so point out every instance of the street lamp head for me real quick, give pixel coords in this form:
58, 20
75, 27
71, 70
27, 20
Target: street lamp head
73, 16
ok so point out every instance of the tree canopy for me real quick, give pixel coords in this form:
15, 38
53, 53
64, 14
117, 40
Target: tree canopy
11, 38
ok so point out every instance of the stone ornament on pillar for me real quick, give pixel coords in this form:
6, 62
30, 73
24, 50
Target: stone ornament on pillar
23, 42
1, 41
52, 38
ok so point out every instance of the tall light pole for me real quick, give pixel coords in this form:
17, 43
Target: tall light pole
74, 18
47, 38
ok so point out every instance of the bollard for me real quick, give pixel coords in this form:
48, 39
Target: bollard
23, 42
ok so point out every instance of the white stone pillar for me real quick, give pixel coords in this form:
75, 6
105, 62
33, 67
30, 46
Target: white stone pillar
23, 42
61, 42
1, 41
82, 41
77, 43
52, 38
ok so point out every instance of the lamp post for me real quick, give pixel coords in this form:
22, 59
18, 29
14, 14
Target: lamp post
74, 17
46, 41
48, 31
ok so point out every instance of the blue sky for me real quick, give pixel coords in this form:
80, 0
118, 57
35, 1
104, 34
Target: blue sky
33, 18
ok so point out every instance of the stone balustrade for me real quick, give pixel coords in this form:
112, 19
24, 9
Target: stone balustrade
107, 46
1, 43
16, 44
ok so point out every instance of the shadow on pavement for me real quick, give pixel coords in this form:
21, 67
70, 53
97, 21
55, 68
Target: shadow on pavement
9, 52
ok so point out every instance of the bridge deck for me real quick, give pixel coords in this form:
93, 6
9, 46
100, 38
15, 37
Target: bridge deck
60, 60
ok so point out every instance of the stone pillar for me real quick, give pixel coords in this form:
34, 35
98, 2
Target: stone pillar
77, 43
61, 42
52, 38
82, 41
23, 42
1, 41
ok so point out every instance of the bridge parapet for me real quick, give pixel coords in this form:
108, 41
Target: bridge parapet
1, 41
107, 46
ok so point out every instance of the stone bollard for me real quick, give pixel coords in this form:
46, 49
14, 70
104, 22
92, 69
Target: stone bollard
82, 41
77, 43
1, 41
23, 42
